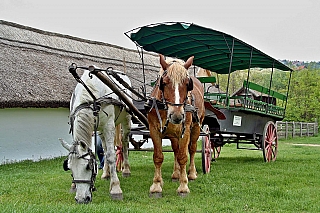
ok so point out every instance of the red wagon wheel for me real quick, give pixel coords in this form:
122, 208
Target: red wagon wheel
270, 142
206, 151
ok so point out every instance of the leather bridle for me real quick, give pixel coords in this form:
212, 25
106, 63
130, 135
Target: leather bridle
163, 104
92, 165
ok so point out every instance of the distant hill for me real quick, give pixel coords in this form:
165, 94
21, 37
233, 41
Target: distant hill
298, 65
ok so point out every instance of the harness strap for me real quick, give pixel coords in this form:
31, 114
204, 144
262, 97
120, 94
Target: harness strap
189, 108
81, 181
155, 106
150, 102
158, 105
89, 105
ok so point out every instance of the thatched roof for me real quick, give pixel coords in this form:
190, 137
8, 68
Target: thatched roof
34, 65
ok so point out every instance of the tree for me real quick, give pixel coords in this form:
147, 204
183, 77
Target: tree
304, 96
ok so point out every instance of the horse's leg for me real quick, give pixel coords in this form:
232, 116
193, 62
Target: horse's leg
195, 131
156, 187
182, 159
126, 128
106, 168
107, 121
176, 167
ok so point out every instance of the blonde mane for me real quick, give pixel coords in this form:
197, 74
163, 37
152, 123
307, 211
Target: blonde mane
176, 71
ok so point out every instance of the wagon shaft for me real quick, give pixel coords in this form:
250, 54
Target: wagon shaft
132, 107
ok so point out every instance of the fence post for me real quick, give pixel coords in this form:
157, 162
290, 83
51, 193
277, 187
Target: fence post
314, 129
293, 128
286, 132
300, 129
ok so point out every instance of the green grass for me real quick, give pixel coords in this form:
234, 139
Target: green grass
239, 181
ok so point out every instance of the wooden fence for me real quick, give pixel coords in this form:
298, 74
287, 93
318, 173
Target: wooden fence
296, 129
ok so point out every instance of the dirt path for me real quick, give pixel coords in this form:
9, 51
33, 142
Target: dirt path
301, 144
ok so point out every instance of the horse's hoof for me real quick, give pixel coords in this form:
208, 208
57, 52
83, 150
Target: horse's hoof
126, 174
118, 196
183, 194
192, 177
73, 190
175, 179
155, 194
105, 177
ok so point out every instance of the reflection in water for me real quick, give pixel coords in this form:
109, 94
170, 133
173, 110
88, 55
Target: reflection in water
30, 133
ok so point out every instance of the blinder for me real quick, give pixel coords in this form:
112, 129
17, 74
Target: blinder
161, 84
190, 85
65, 164
90, 165
66, 168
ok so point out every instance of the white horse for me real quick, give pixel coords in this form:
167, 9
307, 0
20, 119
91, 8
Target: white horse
112, 112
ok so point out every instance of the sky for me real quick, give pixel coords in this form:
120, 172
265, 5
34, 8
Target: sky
283, 29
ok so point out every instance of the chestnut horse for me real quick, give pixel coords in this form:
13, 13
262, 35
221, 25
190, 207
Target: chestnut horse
176, 112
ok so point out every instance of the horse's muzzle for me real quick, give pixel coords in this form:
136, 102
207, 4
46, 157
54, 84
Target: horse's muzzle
86, 200
176, 118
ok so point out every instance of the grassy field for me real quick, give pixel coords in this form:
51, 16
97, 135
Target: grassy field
239, 181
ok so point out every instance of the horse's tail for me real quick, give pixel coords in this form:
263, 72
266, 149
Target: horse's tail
118, 136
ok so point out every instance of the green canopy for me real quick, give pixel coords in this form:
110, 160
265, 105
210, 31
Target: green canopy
212, 50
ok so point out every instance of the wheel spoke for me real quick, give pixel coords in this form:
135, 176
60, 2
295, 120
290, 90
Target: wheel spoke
208, 160
206, 151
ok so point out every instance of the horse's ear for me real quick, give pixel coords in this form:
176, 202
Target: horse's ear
65, 144
188, 62
163, 62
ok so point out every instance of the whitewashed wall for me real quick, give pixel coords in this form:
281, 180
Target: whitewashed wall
32, 134
29, 133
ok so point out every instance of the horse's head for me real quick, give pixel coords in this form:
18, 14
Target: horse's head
82, 163
175, 84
